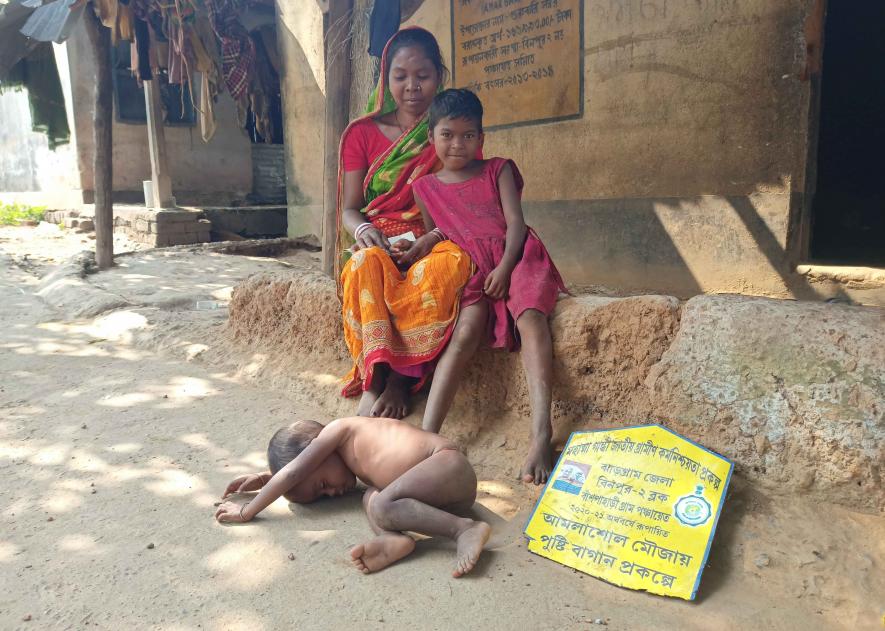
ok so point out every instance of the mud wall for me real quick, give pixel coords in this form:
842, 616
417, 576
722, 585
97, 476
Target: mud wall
302, 81
682, 173
686, 172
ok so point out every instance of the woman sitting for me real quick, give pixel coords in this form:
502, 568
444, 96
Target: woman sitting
396, 323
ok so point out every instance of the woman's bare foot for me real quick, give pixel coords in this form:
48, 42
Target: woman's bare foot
380, 552
538, 463
394, 401
470, 542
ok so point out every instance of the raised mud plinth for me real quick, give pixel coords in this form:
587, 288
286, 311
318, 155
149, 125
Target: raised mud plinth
793, 392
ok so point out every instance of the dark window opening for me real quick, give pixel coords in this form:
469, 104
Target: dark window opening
848, 209
129, 97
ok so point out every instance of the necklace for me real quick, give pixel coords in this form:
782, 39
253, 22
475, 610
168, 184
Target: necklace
398, 124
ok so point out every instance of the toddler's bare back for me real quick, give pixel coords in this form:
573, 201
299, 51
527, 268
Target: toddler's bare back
379, 450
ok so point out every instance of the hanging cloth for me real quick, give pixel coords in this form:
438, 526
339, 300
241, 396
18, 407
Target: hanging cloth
124, 23
38, 74
143, 50
383, 23
237, 48
207, 109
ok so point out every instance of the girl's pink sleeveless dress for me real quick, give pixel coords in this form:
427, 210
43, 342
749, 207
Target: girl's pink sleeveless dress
470, 214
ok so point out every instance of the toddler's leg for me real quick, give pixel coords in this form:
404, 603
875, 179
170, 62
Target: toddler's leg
411, 503
388, 547
537, 358
466, 337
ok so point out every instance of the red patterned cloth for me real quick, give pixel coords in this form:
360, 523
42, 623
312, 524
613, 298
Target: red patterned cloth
237, 48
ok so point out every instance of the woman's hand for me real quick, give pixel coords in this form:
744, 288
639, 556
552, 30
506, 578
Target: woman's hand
372, 237
407, 253
497, 285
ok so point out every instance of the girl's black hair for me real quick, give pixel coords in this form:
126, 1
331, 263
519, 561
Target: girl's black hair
455, 103
424, 40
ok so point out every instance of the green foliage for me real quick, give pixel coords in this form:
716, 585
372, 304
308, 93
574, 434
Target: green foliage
15, 214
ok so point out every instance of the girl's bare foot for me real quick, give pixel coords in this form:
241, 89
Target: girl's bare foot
394, 401
381, 551
470, 542
538, 463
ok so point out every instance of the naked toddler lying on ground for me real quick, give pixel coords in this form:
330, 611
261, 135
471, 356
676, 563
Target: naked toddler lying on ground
418, 482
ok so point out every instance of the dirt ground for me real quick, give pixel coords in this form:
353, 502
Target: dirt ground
113, 454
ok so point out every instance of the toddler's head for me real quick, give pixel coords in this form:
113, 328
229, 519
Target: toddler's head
331, 477
288, 442
455, 124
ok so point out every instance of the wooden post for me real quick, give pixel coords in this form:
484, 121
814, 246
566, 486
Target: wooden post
337, 24
162, 183
103, 165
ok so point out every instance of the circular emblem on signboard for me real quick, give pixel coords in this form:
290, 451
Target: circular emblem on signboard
693, 510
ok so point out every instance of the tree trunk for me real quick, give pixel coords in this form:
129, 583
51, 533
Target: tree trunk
337, 26
103, 168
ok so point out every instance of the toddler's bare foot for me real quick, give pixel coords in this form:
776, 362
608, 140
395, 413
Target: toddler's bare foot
470, 543
394, 401
538, 463
380, 552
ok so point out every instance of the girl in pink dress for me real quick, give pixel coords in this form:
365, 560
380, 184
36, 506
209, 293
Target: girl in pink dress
476, 204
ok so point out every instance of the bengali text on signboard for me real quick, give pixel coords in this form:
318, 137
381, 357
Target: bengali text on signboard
636, 507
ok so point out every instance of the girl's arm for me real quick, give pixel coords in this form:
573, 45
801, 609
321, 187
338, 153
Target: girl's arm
330, 438
497, 282
352, 218
429, 223
422, 245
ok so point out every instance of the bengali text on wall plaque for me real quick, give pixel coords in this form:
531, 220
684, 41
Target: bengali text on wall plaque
523, 58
